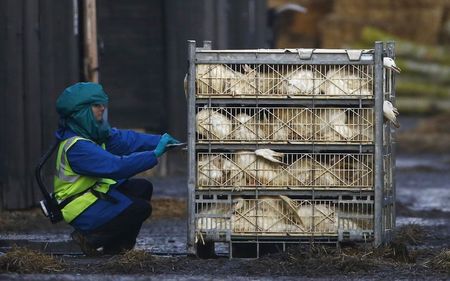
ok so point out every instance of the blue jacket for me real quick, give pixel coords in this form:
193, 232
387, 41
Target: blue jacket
127, 153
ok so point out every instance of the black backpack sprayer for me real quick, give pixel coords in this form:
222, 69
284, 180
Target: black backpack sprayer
49, 205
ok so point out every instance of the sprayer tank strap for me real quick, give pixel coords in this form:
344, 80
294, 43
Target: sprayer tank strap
98, 194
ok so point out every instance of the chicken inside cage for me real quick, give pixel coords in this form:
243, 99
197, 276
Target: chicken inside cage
279, 80
213, 125
265, 168
285, 124
281, 215
301, 82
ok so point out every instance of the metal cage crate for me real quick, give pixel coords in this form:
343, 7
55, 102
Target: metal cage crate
321, 111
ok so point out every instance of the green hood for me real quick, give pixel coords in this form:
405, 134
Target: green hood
74, 106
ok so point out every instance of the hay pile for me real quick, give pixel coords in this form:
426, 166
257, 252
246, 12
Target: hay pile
412, 234
440, 262
138, 261
23, 260
327, 261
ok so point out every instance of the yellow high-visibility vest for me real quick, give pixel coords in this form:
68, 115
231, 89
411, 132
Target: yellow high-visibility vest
67, 183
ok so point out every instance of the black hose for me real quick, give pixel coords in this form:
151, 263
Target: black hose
38, 169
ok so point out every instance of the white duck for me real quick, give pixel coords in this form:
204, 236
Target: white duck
390, 113
389, 63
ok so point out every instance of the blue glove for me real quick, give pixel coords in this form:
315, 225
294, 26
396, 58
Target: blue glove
161, 148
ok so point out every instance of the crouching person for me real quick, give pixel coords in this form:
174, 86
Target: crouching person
93, 169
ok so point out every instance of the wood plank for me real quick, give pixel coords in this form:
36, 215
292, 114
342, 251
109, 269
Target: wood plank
32, 114
132, 68
3, 69
13, 195
60, 65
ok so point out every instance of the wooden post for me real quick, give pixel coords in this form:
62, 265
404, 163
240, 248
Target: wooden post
90, 41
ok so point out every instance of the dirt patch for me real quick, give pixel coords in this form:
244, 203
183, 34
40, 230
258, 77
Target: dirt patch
351, 260
23, 260
318, 261
27, 220
169, 208
34, 220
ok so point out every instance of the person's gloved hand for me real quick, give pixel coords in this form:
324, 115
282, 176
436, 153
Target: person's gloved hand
161, 148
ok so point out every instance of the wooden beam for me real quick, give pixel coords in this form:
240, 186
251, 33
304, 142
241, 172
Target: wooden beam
91, 72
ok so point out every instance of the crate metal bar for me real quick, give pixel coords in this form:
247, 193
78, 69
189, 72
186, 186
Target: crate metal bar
362, 148
191, 149
278, 58
318, 193
351, 101
391, 53
379, 180
390, 46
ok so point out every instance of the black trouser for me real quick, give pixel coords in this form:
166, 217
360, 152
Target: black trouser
120, 233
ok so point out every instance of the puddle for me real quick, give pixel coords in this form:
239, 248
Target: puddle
421, 221
427, 188
426, 198
37, 237
425, 162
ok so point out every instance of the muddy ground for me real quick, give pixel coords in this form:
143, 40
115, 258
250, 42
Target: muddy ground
421, 250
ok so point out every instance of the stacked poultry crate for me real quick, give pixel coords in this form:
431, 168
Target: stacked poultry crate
288, 146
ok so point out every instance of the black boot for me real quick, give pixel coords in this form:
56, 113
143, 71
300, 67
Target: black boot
87, 248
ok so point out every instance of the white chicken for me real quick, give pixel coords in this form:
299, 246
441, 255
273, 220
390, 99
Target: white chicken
389, 63
390, 113
342, 82
300, 172
301, 82
213, 125
267, 214
323, 175
247, 128
218, 170
332, 125
213, 79
209, 171
318, 218
361, 123
290, 124
278, 125
262, 167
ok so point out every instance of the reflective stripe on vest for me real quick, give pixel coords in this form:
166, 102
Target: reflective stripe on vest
68, 183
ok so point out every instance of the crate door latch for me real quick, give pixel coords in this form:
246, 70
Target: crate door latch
354, 54
305, 54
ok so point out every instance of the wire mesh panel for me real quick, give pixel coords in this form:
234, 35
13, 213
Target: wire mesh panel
284, 125
282, 215
213, 215
265, 168
284, 80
